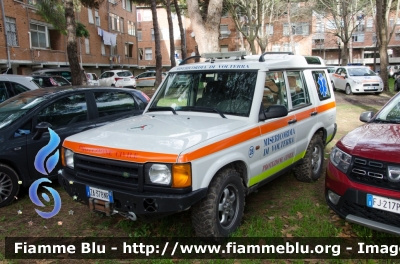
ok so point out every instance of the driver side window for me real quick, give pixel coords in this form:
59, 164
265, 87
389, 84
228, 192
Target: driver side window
274, 90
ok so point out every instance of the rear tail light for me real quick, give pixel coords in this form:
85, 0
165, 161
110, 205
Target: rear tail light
145, 96
117, 78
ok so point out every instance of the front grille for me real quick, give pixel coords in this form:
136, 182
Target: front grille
371, 84
108, 173
371, 172
381, 216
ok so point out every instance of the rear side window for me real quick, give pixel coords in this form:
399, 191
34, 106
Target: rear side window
3, 91
124, 74
16, 88
112, 103
65, 111
66, 75
321, 83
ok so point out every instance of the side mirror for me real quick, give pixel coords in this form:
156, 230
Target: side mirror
40, 129
273, 111
366, 116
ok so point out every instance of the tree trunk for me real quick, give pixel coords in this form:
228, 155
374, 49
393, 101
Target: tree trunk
206, 32
171, 34
157, 42
72, 51
181, 29
382, 34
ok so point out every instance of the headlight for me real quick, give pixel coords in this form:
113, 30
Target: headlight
158, 174
357, 81
68, 158
173, 175
340, 159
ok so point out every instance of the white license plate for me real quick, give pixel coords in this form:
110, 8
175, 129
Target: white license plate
127, 79
99, 194
383, 203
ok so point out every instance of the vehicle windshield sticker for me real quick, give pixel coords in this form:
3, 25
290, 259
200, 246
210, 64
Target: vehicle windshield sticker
279, 141
323, 88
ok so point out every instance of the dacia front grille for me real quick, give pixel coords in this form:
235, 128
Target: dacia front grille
371, 172
108, 173
381, 216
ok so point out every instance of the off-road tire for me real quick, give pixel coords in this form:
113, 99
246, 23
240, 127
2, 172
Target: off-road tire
310, 167
347, 90
9, 187
208, 214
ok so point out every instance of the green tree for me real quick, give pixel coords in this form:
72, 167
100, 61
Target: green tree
63, 19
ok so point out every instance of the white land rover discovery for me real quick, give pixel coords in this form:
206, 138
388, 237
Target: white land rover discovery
213, 132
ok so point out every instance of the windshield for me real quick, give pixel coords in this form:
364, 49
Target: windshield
219, 92
391, 112
361, 72
12, 109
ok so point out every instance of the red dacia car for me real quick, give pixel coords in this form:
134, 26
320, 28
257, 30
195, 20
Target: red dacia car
362, 182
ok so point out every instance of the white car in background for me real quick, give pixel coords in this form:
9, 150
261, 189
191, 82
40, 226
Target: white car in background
11, 85
117, 78
357, 79
148, 78
92, 79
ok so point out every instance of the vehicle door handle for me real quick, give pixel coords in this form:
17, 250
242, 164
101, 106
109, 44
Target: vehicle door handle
314, 113
292, 121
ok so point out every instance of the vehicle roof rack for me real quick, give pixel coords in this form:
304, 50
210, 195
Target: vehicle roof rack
192, 57
272, 52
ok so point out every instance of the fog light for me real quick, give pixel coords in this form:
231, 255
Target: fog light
333, 197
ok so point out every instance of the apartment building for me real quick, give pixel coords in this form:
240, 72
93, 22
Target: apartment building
33, 43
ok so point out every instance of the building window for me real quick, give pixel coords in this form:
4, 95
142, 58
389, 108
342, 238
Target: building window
122, 24
123, 4
32, 2
276, 48
360, 27
115, 22
287, 47
152, 34
39, 38
148, 54
128, 5
139, 35
319, 27
90, 16
87, 46
103, 49
129, 50
224, 48
131, 28
269, 29
140, 54
299, 29
11, 29
397, 36
96, 15
224, 31
358, 38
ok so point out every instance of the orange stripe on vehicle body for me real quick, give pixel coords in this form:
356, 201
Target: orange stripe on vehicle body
220, 145
119, 154
326, 107
142, 156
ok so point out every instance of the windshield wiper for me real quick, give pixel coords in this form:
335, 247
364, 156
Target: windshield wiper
164, 108
201, 109
386, 121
